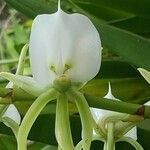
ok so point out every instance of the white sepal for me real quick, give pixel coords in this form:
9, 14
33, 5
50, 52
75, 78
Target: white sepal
13, 114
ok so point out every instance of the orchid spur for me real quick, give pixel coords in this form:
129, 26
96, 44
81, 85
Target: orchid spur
65, 53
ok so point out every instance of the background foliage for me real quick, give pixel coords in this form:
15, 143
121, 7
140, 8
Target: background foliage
124, 27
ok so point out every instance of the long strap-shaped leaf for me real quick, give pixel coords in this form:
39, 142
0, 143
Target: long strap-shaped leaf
62, 125
31, 116
86, 118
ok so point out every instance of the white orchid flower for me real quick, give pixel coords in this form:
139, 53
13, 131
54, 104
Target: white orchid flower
100, 114
63, 48
61, 43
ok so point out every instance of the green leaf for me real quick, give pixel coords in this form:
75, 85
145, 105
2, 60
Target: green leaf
32, 7
113, 69
137, 25
7, 143
144, 138
133, 48
135, 90
101, 11
139, 8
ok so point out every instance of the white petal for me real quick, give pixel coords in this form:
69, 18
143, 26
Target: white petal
145, 74
13, 114
60, 39
132, 133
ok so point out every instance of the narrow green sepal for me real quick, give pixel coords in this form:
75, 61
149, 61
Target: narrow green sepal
85, 115
24, 82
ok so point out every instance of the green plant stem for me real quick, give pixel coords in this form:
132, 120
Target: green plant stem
62, 124
96, 102
31, 116
85, 115
110, 136
118, 106
134, 143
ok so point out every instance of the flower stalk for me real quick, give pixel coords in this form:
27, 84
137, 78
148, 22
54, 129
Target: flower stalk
96, 102
119, 106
